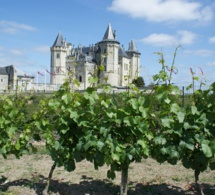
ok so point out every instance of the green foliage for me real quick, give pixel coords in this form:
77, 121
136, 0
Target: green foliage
139, 82
119, 135
185, 134
105, 128
15, 127
199, 131
58, 126
96, 127
167, 119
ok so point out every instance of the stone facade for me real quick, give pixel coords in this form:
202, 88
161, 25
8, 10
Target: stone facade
13, 79
3, 79
120, 66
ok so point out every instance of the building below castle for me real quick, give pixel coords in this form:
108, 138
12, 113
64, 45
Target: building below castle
13, 79
113, 64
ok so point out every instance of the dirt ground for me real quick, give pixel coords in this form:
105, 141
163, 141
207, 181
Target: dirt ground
27, 176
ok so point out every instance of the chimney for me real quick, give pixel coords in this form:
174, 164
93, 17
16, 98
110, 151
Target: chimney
114, 34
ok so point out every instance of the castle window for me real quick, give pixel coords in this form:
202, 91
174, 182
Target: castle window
80, 79
125, 66
58, 55
2, 80
57, 69
105, 60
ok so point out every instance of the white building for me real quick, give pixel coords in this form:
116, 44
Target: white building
13, 79
120, 66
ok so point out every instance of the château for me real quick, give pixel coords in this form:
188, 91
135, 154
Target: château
120, 66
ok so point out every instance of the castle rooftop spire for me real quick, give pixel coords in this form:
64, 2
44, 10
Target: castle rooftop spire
109, 33
132, 47
59, 41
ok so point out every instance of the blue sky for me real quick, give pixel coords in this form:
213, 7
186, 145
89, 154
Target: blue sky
29, 28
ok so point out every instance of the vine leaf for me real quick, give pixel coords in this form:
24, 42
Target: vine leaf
181, 117
194, 110
206, 150
166, 122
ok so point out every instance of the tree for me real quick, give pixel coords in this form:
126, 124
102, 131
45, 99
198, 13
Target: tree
115, 135
57, 123
139, 82
182, 133
15, 127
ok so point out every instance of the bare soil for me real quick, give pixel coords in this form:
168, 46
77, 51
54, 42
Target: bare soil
27, 176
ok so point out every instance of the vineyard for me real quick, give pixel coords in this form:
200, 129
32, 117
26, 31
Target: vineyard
28, 175
116, 131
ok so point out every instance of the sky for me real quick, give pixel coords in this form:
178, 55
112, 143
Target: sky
29, 28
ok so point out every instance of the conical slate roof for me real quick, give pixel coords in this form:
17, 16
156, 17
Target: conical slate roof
109, 33
122, 52
3, 71
132, 47
59, 41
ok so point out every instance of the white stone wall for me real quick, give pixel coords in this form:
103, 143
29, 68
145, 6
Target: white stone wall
3, 82
110, 50
58, 65
23, 83
125, 76
135, 65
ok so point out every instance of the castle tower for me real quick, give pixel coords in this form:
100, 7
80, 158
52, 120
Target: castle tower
134, 56
109, 48
58, 61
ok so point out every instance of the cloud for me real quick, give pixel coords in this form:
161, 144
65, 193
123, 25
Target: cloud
186, 37
211, 64
212, 39
22, 62
15, 56
163, 10
182, 37
160, 40
17, 52
13, 27
42, 49
200, 52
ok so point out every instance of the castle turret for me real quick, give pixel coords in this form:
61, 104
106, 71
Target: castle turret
109, 47
134, 56
58, 61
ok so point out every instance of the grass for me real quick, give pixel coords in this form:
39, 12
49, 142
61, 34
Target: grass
176, 179
31, 171
39, 149
7, 193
